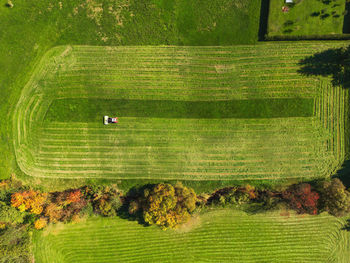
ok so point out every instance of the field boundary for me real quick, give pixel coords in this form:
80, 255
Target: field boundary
41, 151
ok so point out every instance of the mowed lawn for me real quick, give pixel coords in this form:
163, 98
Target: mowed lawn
306, 17
216, 236
186, 113
31, 28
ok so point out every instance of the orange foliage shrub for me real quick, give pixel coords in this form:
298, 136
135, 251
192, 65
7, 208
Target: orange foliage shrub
40, 223
74, 196
75, 219
53, 212
30, 200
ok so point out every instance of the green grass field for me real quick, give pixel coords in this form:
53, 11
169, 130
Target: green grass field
307, 17
207, 114
32, 27
170, 136
217, 236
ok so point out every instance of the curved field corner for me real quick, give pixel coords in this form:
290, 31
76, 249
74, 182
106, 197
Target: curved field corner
59, 140
217, 236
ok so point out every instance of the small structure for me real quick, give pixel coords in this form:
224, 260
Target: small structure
108, 120
289, 1
9, 4
285, 9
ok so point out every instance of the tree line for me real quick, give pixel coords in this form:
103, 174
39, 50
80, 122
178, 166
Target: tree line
165, 205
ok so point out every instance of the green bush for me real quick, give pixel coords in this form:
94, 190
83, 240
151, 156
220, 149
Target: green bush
14, 245
105, 200
335, 198
233, 196
10, 215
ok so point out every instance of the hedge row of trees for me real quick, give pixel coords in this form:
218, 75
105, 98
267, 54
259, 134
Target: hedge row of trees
164, 205
22, 206
330, 196
161, 204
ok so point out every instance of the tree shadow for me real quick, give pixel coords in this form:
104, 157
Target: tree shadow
343, 174
133, 194
264, 13
288, 31
324, 16
334, 63
331, 62
346, 23
347, 225
326, 2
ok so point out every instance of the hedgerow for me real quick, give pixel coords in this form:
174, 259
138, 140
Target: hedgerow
163, 204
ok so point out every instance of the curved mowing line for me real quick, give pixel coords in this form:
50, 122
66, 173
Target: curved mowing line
218, 236
314, 145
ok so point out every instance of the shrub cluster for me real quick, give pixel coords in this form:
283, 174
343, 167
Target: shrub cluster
163, 204
233, 196
330, 196
15, 245
33, 208
300, 198
335, 198
104, 200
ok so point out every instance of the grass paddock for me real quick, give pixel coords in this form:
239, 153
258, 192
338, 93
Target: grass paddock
155, 141
306, 17
216, 236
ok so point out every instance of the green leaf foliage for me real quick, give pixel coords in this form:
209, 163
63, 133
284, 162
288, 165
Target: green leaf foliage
335, 198
14, 245
10, 215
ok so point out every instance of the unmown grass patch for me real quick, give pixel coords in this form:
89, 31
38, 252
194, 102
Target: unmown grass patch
92, 110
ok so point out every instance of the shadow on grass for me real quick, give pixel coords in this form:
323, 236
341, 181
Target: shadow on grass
132, 195
264, 16
346, 24
331, 62
347, 225
334, 63
344, 174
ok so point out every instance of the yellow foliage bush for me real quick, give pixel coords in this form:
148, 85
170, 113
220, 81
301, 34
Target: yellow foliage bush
40, 223
168, 206
30, 200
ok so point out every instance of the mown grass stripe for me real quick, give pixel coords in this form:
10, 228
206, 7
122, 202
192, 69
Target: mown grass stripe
184, 74
222, 235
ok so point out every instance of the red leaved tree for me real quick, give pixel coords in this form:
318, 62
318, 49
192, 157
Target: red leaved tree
301, 198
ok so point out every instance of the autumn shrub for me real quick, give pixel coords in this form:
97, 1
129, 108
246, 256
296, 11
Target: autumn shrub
104, 199
53, 212
65, 205
301, 198
233, 196
32, 201
335, 198
76, 218
165, 205
40, 223
68, 197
